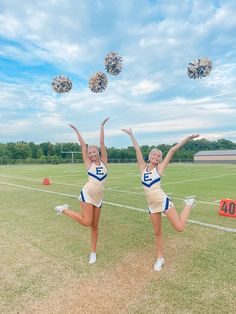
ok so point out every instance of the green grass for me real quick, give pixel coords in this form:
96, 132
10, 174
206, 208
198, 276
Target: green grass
42, 254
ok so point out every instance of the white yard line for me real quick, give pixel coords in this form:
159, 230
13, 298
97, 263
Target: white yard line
64, 175
174, 198
40, 180
200, 223
204, 224
200, 202
200, 179
71, 171
124, 191
112, 188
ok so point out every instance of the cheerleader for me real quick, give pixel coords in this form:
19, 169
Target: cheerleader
91, 195
158, 201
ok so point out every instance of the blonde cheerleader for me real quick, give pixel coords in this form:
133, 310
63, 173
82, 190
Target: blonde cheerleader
158, 202
91, 195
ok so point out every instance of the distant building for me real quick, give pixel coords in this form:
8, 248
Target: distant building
215, 156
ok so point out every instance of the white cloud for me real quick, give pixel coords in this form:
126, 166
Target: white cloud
9, 25
211, 136
153, 92
145, 87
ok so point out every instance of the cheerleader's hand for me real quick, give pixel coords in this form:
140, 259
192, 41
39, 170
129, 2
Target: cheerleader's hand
128, 131
105, 121
73, 127
191, 137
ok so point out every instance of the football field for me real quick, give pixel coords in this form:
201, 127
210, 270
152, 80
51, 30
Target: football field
44, 257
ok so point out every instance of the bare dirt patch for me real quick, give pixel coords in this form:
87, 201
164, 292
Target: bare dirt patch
116, 290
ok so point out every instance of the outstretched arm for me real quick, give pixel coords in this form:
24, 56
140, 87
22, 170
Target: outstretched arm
173, 149
86, 159
102, 144
139, 155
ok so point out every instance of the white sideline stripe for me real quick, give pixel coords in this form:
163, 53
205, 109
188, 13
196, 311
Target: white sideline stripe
40, 180
174, 198
217, 201
71, 170
36, 189
200, 179
126, 206
122, 206
200, 202
124, 191
110, 189
64, 175
211, 226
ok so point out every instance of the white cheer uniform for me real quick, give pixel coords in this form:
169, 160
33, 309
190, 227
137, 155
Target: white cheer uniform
157, 200
92, 192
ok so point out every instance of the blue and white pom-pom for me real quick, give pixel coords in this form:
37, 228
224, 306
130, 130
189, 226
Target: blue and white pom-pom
199, 68
98, 82
61, 84
113, 63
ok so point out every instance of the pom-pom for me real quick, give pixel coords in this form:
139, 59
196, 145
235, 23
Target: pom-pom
61, 84
199, 68
98, 82
113, 63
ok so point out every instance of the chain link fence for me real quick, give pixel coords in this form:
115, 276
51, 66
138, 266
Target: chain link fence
56, 161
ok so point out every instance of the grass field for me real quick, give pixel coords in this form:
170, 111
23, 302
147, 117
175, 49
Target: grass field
44, 265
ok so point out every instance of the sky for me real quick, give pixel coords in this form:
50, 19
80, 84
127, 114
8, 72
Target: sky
153, 94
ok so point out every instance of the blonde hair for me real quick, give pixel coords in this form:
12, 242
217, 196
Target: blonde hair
154, 150
90, 146
97, 148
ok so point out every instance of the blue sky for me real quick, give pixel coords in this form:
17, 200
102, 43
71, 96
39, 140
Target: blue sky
153, 94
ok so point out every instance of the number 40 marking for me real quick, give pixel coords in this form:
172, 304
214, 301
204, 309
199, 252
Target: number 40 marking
229, 208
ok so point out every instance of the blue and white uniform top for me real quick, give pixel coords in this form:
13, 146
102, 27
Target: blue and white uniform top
156, 198
151, 179
92, 192
97, 174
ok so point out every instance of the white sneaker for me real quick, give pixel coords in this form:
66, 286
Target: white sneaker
59, 209
190, 201
160, 262
92, 258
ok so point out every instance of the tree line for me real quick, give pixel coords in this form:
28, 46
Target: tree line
61, 151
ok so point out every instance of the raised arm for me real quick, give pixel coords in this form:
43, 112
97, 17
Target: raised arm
139, 155
86, 159
102, 144
173, 149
